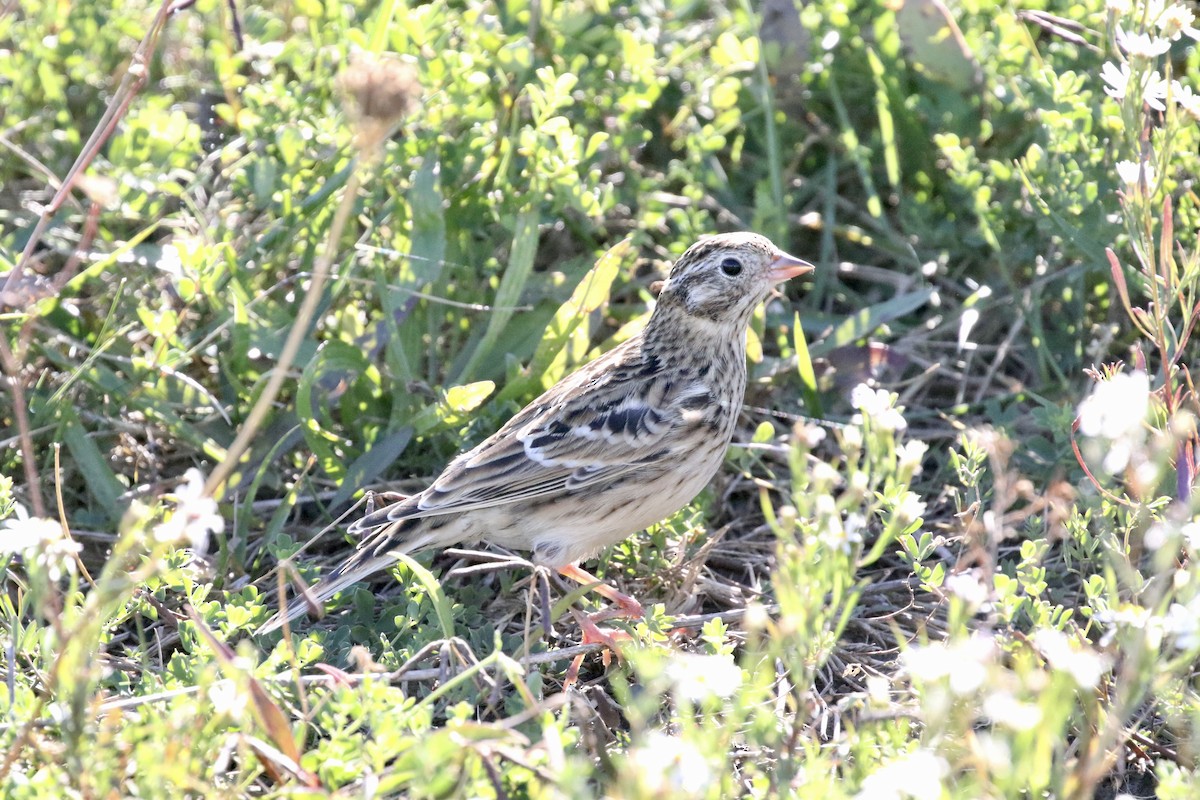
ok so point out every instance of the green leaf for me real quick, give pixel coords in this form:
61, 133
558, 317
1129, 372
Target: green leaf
887, 125
468, 397
99, 478
458, 400
935, 44
427, 252
549, 359
808, 375
512, 284
234, 546
421, 269
869, 319
441, 605
369, 465
379, 27
332, 358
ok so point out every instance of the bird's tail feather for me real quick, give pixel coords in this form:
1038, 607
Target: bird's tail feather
343, 576
374, 554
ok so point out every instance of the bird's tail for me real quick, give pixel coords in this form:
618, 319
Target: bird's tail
377, 551
347, 574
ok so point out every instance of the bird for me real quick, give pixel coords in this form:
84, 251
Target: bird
616, 446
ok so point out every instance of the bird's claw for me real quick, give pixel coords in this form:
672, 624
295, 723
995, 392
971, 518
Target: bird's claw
594, 634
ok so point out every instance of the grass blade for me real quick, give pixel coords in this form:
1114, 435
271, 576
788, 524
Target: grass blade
520, 264
808, 375
549, 362
101, 483
441, 605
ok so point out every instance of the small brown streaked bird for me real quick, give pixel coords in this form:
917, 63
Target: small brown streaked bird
616, 446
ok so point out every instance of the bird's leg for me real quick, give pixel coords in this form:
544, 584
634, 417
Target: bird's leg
626, 607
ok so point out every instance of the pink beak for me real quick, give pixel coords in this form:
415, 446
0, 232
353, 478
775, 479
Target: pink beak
786, 267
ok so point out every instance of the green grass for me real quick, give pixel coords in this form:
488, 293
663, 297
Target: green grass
978, 581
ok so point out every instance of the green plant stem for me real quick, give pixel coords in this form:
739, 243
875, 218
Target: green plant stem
291, 347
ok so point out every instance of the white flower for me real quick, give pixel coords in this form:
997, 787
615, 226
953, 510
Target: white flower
852, 438
917, 775
1153, 88
964, 663
911, 454
1175, 20
1132, 172
699, 677
834, 535
996, 751
1138, 176
879, 690
1116, 410
1117, 79
1154, 91
1142, 45
1187, 100
1156, 536
41, 543
1183, 623
1120, 453
227, 699
195, 515
811, 435
1084, 665
968, 586
22, 532
855, 525
667, 765
1191, 536
877, 406
824, 475
1120, 8
866, 399
1004, 709
909, 509
1125, 616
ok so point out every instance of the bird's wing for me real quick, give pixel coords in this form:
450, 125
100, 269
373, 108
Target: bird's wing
609, 418
614, 415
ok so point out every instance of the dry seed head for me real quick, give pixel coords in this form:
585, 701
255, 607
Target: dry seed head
380, 91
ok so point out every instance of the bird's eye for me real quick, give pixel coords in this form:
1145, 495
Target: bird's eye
731, 267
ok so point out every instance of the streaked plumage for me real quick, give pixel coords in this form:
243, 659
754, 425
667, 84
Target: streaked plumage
614, 447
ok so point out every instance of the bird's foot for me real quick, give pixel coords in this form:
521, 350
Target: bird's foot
624, 607
594, 634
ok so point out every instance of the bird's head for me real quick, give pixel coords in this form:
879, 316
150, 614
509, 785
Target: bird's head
720, 280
